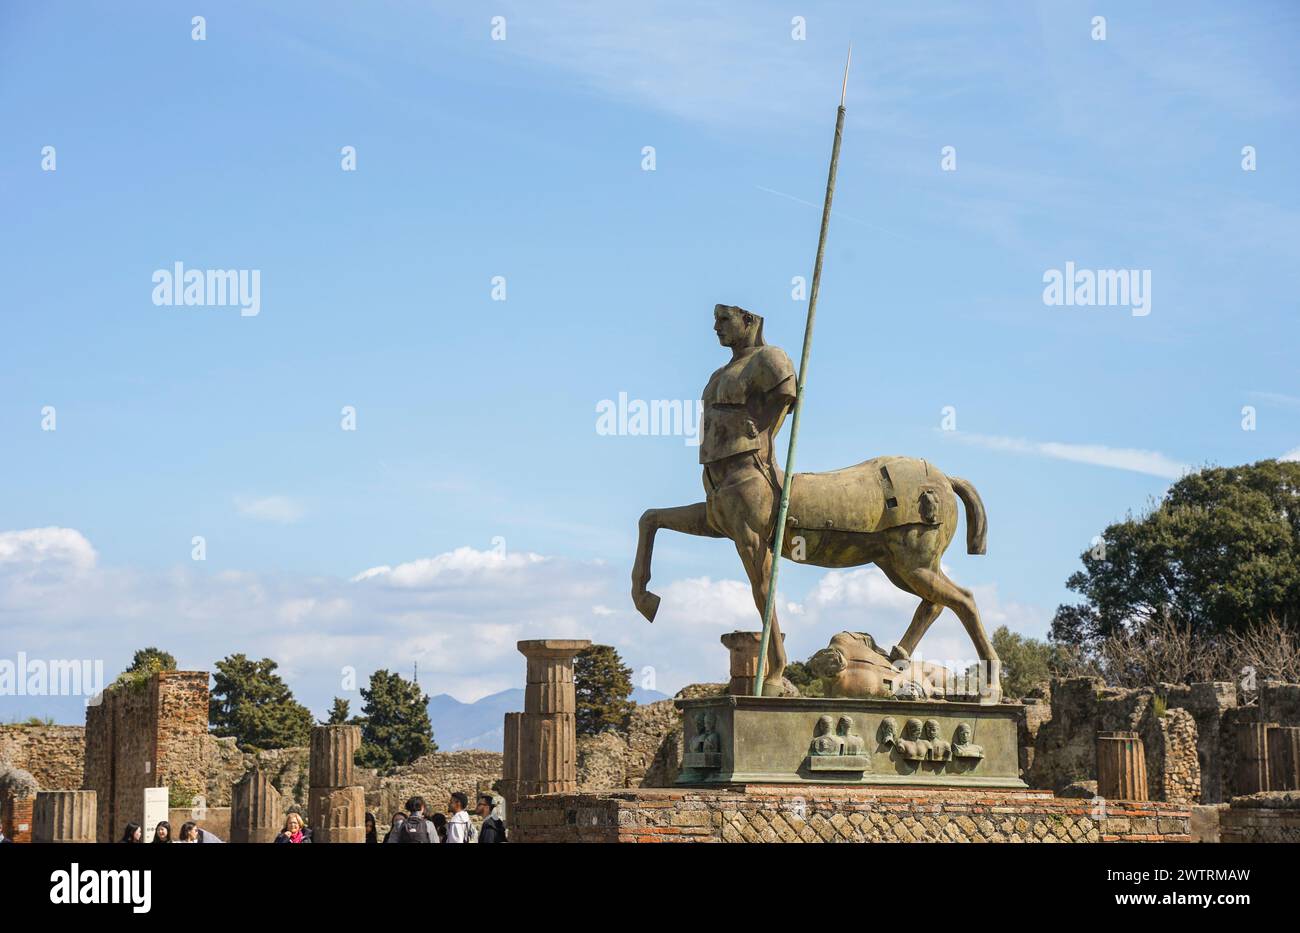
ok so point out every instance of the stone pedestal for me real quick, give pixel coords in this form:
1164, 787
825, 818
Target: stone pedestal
1121, 766
337, 814
64, 816
1252, 757
743, 648
255, 814
546, 753
332, 751
1284, 758
841, 741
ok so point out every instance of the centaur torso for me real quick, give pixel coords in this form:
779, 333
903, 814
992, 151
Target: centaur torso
745, 402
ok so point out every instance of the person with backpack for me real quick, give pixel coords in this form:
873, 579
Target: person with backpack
415, 828
459, 828
494, 827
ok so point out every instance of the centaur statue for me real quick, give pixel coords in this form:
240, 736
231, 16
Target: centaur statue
895, 512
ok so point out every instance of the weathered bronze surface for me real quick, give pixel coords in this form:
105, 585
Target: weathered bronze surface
791, 740
896, 512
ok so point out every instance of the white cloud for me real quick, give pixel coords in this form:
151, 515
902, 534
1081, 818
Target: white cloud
278, 509
1291, 455
1149, 462
52, 547
462, 563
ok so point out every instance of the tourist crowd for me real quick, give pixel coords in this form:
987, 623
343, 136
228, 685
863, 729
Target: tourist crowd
414, 824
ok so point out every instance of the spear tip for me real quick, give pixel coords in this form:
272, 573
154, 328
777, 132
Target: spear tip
844, 88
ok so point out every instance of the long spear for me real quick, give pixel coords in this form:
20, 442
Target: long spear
798, 398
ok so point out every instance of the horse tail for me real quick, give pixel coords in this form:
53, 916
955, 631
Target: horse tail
977, 528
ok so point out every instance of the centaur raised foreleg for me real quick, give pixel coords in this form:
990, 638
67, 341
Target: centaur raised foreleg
689, 520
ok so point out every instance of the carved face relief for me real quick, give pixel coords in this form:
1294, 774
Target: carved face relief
888, 732
912, 730
845, 725
963, 734
931, 729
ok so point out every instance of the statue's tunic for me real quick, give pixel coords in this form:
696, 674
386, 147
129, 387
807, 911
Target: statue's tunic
733, 400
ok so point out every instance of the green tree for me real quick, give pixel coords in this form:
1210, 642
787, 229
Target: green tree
1027, 662
338, 712
394, 720
603, 684
151, 661
799, 674
1219, 552
250, 702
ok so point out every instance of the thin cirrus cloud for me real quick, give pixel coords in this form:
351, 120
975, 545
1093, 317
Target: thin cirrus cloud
280, 510
1150, 462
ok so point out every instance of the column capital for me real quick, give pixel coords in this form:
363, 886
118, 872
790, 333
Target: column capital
556, 649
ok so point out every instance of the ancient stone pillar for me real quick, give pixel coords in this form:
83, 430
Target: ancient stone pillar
510, 758
64, 816
1121, 766
1284, 758
255, 814
337, 814
336, 806
548, 743
743, 648
1252, 757
332, 751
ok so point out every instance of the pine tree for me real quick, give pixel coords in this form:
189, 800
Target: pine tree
603, 684
338, 712
394, 720
250, 702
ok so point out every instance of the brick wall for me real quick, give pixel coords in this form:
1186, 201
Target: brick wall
774, 813
148, 734
1271, 816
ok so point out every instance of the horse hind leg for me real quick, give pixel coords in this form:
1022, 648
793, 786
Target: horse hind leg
932, 585
922, 619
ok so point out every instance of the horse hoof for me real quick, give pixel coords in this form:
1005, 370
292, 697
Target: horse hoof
774, 688
898, 654
647, 604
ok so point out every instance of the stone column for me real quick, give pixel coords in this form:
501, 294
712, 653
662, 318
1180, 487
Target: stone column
1121, 766
64, 816
1284, 758
332, 751
336, 807
548, 741
743, 647
510, 758
255, 814
1252, 757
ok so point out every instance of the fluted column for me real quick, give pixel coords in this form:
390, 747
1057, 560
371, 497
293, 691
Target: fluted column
547, 741
64, 816
1252, 757
336, 805
1121, 766
332, 751
510, 757
255, 814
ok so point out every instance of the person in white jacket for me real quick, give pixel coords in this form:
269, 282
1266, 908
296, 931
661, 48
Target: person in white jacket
459, 828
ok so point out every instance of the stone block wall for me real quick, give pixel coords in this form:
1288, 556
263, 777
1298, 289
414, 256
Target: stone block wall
1271, 816
772, 813
432, 777
54, 755
1065, 746
147, 734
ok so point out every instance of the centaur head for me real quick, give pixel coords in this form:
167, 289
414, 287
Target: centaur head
736, 327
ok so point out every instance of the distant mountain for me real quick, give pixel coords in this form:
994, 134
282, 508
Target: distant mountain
458, 726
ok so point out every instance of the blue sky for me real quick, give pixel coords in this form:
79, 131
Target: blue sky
476, 418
